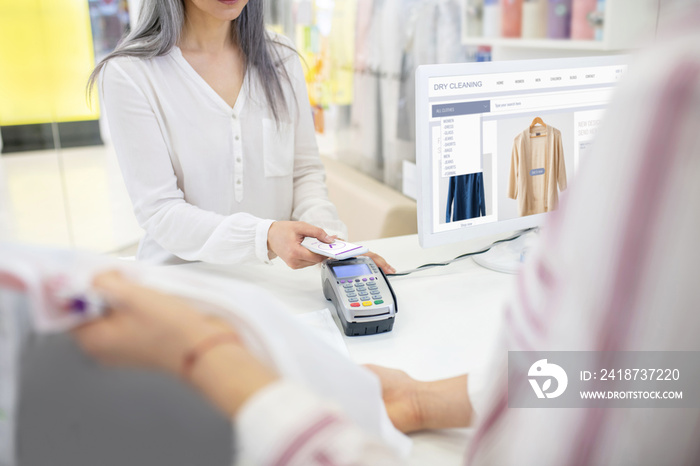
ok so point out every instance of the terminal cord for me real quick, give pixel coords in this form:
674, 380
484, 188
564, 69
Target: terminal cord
458, 258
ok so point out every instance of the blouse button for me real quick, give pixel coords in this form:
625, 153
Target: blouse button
237, 137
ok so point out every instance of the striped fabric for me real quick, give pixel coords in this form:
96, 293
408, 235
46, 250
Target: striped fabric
617, 271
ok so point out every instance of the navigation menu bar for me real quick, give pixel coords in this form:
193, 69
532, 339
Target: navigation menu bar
507, 82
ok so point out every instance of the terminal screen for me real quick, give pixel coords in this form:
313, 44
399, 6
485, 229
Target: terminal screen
352, 270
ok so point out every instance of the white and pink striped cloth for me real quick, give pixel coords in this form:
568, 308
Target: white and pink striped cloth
617, 270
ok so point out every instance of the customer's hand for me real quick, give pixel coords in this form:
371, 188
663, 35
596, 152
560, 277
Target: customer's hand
284, 239
146, 328
401, 398
413, 405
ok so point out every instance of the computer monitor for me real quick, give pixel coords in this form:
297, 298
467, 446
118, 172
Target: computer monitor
497, 142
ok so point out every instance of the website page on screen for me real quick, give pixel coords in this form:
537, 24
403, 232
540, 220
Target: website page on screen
506, 145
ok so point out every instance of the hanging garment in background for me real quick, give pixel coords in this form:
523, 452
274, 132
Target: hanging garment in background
534, 19
465, 197
473, 16
433, 35
536, 168
580, 27
512, 11
492, 18
396, 16
280, 17
380, 38
600, 10
365, 127
393, 37
559, 19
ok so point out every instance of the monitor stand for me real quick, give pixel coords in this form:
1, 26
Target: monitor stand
507, 257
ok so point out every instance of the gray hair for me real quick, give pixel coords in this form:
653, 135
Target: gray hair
159, 27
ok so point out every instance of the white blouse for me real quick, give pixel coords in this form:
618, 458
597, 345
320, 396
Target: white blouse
207, 180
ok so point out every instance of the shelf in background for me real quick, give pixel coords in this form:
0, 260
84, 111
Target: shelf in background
554, 44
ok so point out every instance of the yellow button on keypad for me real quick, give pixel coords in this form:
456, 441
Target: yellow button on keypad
367, 303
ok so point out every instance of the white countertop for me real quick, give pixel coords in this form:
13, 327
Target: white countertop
447, 322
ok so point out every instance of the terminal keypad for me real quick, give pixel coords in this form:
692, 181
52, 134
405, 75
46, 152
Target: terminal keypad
362, 291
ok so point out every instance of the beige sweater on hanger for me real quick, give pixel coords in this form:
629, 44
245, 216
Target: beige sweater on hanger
536, 168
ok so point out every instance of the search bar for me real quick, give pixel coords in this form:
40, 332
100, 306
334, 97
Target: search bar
551, 100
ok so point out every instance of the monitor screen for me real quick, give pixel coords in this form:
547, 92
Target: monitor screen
498, 143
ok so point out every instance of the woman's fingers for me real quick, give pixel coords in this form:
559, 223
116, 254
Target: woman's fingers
381, 262
284, 239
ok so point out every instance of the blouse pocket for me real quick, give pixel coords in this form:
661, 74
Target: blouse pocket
278, 148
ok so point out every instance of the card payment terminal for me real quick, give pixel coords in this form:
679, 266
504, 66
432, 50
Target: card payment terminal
361, 293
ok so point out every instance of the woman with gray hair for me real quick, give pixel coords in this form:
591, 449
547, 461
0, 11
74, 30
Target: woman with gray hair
212, 128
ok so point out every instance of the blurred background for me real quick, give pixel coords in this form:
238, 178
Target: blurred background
60, 183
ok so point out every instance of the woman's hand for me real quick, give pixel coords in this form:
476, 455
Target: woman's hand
381, 263
284, 239
146, 328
